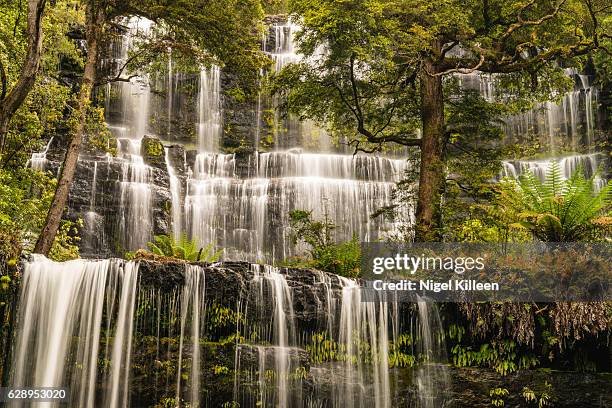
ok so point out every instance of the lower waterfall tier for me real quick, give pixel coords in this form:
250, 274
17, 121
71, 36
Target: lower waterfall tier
145, 333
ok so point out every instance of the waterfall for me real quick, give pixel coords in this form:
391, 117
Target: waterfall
363, 321
280, 48
283, 52
103, 327
119, 374
209, 109
571, 117
135, 192
170, 92
432, 378
248, 216
38, 161
135, 189
62, 300
94, 222
192, 309
589, 163
258, 114
270, 304
175, 193
283, 330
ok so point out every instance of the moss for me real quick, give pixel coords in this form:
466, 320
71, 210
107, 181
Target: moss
237, 94
152, 151
152, 147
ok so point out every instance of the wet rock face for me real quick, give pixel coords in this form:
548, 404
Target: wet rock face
239, 112
101, 208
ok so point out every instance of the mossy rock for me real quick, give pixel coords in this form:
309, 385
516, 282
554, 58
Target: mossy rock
152, 151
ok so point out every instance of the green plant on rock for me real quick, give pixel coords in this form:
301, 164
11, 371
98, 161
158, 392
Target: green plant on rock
540, 398
501, 355
326, 254
560, 210
184, 248
497, 396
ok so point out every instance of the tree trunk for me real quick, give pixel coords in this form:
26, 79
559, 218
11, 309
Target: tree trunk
95, 21
431, 177
29, 70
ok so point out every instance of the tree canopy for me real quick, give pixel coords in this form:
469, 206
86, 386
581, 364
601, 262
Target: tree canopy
383, 71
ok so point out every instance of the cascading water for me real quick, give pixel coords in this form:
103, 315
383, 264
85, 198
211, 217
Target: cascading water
100, 326
569, 122
362, 323
248, 217
38, 161
62, 300
209, 109
590, 164
93, 221
432, 378
192, 310
135, 193
175, 192
237, 202
283, 331
572, 117
135, 221
119, 373
280, 48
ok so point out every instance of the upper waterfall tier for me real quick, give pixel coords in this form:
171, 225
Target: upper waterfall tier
243, 204
570, 121
591, 164
228, 170
296, 163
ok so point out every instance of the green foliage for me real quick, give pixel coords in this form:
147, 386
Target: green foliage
98, 135
497, 396
218, 317
153, 147
272, 7
340, 258
366, 83
543, 397
400, 351
43, 111
25, 196
559, 210
185, 249
501, 355
322, 349
220, 370
65, 247
196, 34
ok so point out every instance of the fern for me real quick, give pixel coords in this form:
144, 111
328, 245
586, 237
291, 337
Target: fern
185, 249
560, 210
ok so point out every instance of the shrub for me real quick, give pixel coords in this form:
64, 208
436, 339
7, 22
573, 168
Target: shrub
342, 258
